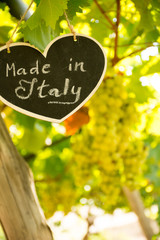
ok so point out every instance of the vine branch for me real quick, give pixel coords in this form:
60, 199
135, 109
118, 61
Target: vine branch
104, 14
30, 156
150, 44
132, 53
48, 180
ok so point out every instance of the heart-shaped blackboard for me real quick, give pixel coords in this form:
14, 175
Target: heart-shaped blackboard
53, 85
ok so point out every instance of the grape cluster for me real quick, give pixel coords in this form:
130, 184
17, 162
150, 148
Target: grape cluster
107, 153
56, 196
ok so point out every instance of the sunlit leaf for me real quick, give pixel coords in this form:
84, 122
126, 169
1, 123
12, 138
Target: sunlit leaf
49, 11
4, 34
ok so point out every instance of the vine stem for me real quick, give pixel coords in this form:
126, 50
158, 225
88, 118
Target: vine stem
136, 51
104, 14
30, 156
150, 44
116, 59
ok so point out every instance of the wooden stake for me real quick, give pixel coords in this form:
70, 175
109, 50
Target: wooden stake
20, 213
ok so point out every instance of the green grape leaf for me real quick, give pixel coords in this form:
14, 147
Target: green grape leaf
4, 34
156, 4
157, 18
142, 93
156, 11
32, 141
76, 6
152, 35
98, 24
23, 120
146, 21
151, 67
52, 160
155, 153
2, 6
152, 172
41, 35
29, 122
49, 11
37, 1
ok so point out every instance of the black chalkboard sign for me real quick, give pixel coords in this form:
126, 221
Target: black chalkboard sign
53, 85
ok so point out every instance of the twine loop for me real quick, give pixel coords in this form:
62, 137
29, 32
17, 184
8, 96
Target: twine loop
8, 45
15, 30
70, 27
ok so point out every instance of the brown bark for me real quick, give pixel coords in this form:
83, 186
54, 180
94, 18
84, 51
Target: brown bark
20, 213
137, 206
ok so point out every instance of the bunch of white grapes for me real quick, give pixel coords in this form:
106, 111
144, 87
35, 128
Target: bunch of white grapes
107, 153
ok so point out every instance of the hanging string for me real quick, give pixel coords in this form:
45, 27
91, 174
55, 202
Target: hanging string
22, 18
70, 26
18, 24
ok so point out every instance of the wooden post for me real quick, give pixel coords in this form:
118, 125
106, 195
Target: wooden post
20, 213
137, 206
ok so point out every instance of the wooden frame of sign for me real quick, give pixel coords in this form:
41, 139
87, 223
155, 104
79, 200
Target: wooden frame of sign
52, 85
